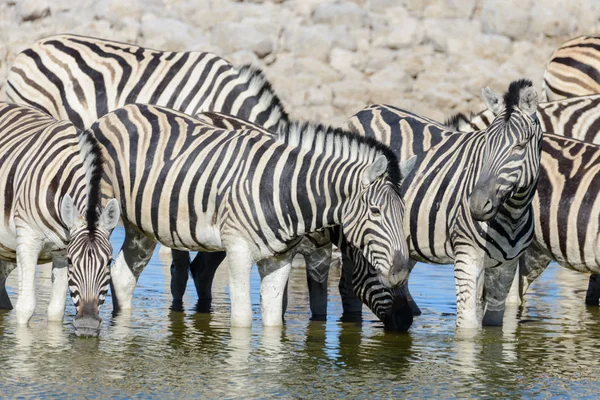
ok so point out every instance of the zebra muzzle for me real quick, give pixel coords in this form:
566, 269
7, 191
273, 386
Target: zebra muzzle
87, 322
400, 270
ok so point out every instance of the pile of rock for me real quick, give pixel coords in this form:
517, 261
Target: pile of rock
328, 59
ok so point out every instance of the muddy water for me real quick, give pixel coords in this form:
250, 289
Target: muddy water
550, 347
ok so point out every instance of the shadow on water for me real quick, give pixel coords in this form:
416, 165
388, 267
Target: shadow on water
548, 347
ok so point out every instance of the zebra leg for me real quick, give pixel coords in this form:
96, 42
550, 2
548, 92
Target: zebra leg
239, 260
531, 265
498, 282
132, 259
58, 298
351, 304
592, 295
274, 272
179, 277
5, 269
203, 269
318, 263
28, 251
468, 280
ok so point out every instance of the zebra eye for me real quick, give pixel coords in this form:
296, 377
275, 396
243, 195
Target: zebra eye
69, 262
375, 212
110, 261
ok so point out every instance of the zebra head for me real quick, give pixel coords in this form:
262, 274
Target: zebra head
373, 222
512, 150
89, 255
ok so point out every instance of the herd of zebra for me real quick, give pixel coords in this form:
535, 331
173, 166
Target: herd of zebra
198, 155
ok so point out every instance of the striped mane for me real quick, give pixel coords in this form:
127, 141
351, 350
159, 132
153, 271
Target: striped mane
93, 164
259, 84
512, 96
453, 122
339, 143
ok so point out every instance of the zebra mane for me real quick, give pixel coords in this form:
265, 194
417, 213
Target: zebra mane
93, 164
259, 84
339, 143
453, 122
512, 96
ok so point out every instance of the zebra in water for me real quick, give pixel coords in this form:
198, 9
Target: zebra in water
558, 202
576, 117
249, 194
50, 211
66, 73
80, 79
469, 199
574, 69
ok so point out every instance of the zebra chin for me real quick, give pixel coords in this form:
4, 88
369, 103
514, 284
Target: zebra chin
87, 322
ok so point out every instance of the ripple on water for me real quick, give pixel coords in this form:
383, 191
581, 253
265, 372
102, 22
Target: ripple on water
548, 347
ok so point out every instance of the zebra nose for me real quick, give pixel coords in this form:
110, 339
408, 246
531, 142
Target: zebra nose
87, 322
400, 269
400, 317
481, 205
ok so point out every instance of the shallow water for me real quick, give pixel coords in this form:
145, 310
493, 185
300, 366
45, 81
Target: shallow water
548, 350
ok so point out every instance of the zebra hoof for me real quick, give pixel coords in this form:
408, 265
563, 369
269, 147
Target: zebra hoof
351, 317
177, 306
204, 306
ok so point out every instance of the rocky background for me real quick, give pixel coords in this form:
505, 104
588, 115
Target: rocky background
328, 59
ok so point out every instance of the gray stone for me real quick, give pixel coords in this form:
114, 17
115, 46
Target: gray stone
235, 36
511, 18
342, 13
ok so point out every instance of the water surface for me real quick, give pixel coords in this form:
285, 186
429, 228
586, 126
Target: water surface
548, 348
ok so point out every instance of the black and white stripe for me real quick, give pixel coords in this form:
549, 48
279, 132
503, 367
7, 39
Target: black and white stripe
199, 187
450, 169
50, 208
574, 69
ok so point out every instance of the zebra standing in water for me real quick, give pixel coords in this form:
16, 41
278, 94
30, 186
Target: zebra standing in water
574, 69
578, 118
249, 194
469, 199
80, 79
50, 211
559, 201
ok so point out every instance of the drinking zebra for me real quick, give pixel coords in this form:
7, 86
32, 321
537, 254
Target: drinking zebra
66, 73
50, 211
81, 78
574, 69
249, 194
469, 199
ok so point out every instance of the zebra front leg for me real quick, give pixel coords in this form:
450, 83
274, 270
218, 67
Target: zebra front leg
132, 259
5, 269
592, 296
351, 304
60, 268
274, 272
179, 277
468, 280
239, 260
28, 251
318, 263
498, 282
531, 265
203, 269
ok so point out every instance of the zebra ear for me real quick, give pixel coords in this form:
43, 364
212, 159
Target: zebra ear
110, 216
406, 167
492, 100
69, 213
375, 170
528, 100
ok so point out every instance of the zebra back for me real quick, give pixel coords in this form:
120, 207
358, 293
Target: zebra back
576, 117
80, 79
574, 69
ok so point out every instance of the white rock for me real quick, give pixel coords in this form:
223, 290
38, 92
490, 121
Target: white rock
408, 33
341, 59
170, 34
349, 96
345, 13
511, 18
450, 9
32, 10
451, 35
234, 36
553, 18
314, 41
320, 95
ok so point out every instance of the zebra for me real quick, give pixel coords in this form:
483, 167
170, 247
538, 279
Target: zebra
574, 69
250, 194
80, 79
576, 117
558, 202
50, 211
469, 198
